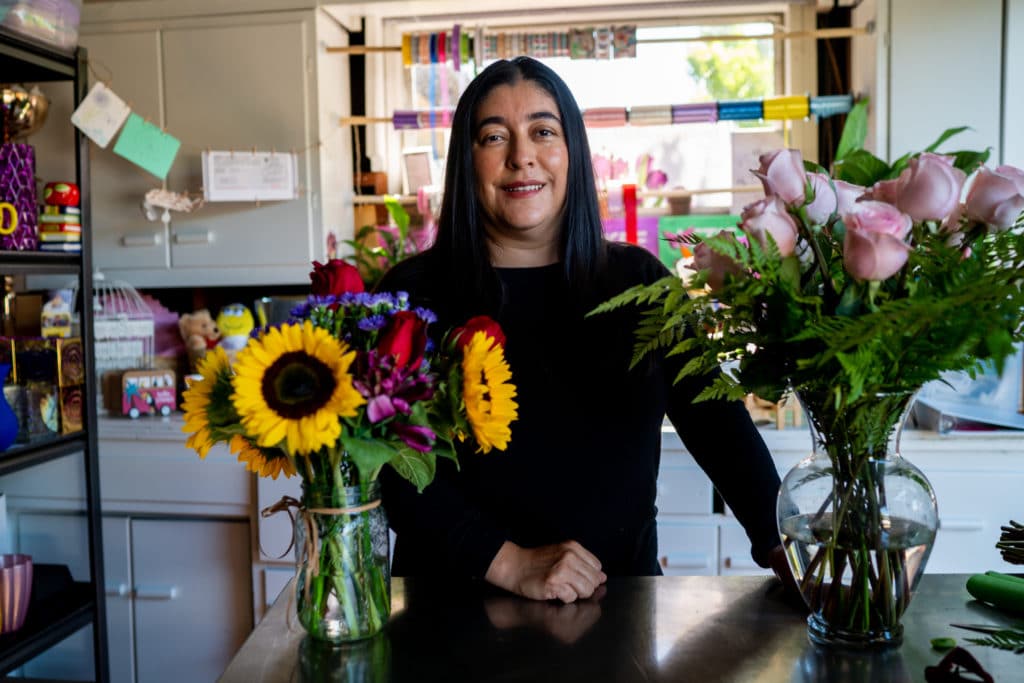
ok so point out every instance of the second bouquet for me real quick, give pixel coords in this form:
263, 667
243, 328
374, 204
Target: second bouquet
351, 384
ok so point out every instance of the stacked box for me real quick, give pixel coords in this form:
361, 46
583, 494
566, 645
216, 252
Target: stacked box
51, 372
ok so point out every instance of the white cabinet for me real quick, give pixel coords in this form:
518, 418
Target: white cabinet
258, 81
178, 595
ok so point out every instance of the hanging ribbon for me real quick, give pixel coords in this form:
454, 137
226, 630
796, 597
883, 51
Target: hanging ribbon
629, 203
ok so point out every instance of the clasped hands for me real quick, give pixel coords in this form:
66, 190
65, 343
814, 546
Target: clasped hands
562, 571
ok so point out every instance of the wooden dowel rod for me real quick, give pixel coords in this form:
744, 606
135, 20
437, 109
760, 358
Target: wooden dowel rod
363, 120
820, 34
363, 49
668, 194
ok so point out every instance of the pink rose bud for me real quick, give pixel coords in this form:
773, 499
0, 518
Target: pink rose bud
825, 201
929, 188
768, 216
997, 197
873, 255
952, 223
847, 194
705, 258
782, 175
872, 216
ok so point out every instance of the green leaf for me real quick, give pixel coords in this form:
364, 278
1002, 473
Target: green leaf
398, 214
861, 167
968, 161
946, 134
855, 130
369, 455
418, 468
943, 644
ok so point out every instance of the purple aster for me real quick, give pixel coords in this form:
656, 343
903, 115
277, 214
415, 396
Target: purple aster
426, 315
415, 437
374, 322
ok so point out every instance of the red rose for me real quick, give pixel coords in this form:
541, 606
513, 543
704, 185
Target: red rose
480, 323
405, 338
334, 278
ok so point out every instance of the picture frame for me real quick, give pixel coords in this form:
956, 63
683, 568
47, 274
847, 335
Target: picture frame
418, 169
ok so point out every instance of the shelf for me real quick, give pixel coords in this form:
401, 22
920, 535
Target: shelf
46, 263
28, 455
59, 607
33, 61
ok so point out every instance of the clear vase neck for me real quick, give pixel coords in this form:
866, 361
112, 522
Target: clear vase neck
871, 425
323, 494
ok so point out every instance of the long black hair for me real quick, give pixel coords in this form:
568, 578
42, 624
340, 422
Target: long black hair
461, 250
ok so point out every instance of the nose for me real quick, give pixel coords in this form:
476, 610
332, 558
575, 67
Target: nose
522, 152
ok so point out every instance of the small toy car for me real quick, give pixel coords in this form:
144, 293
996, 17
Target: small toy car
148, 392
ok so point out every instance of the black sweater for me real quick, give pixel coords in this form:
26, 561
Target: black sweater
583, 460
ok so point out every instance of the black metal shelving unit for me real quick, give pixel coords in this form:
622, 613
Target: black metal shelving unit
60, 606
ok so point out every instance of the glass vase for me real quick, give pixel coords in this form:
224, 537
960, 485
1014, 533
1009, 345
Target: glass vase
857, 520
343, 591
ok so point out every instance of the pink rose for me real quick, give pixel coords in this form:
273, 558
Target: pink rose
927, 189
930, 187
782, 175
847, 194
997, 197
873, 248
768, 216
825, 201
719, 265
872, 216
952, 223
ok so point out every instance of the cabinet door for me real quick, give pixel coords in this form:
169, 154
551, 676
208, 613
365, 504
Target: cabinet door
687, 547
56, 538
734, 552
122, 237
193, 597
255, 94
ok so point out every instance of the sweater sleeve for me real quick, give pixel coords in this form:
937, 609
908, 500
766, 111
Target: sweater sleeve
437, 530
722, 438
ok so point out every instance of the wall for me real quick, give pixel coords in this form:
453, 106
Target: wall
963, 65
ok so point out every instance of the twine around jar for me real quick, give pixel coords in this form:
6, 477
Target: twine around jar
311, 546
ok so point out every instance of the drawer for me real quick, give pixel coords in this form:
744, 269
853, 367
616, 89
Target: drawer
683, 489
687, 547
166, 477
734, 553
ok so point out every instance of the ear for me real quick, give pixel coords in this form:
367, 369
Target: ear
184, 322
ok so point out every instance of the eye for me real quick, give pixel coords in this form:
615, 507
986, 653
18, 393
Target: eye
491, 137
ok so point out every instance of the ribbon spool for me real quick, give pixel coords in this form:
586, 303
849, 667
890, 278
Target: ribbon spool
824, 106
704, 112
604, 117
788, 107
651, 115
740, 110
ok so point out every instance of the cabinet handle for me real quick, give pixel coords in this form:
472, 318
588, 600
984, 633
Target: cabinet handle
684, 561
961, 524
193, 237
118, 590
156, 592
151, 240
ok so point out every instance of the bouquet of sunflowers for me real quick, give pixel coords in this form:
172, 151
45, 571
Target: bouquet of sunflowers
350, 384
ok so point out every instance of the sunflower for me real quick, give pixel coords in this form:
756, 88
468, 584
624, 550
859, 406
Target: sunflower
292, 384
264, 463
487, 392
207, 404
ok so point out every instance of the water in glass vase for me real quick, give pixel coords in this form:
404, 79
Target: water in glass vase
876, 573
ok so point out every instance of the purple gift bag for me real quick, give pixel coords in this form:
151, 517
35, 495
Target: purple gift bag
18, 188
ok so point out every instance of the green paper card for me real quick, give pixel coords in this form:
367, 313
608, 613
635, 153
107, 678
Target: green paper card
144, 144
703, 225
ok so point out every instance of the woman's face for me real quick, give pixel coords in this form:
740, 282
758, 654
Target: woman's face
522, 163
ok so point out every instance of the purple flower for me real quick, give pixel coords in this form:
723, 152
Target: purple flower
374, 322
426, 315
415, 437
379, 408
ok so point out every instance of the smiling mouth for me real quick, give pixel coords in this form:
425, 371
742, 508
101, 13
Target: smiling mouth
522, 188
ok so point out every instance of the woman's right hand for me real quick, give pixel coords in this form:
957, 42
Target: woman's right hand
562, 571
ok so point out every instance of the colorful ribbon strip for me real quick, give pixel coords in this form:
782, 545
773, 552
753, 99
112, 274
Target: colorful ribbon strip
773, 108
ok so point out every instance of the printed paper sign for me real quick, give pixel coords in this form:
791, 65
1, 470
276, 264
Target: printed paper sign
100, 114
250, 176
144, 144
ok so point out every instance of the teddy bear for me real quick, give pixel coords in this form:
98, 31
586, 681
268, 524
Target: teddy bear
199, 332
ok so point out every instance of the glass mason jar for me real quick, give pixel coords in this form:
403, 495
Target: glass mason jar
343, 591
857, 520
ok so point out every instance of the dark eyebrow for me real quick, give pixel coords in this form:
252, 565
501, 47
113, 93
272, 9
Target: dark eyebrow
535, 116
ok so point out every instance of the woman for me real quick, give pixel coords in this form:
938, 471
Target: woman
572, 499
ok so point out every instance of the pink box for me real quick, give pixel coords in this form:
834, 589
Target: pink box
646, 231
